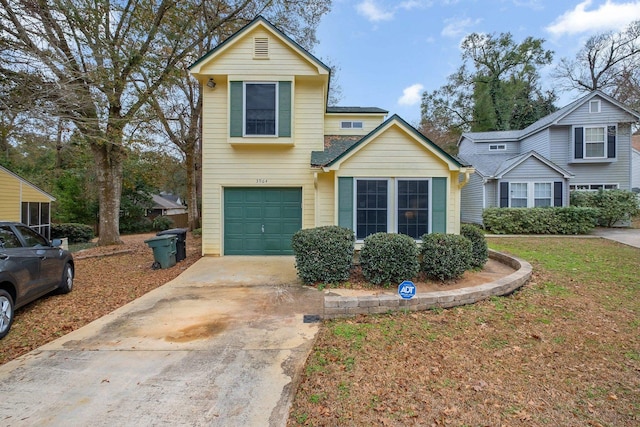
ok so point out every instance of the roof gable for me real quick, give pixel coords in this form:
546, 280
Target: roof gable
344, 148
546, 121
512, 163
258, 23
24, 181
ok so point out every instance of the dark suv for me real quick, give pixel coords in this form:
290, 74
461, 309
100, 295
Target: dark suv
30, 266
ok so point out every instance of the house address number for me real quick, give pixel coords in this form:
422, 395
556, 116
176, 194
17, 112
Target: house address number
262, 181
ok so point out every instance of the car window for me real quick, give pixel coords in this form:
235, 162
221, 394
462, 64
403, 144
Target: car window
32, 239
8, 239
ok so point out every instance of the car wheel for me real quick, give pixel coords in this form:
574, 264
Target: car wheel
66, 285
6, 312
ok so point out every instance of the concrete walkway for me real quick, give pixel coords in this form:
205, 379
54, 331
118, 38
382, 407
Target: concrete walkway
628, 236
221, 345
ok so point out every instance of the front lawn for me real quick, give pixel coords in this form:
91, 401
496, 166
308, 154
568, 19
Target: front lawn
564, 350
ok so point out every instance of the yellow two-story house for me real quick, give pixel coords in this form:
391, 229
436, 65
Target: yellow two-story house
277, 159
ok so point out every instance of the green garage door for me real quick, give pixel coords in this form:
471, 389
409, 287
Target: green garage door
261, 221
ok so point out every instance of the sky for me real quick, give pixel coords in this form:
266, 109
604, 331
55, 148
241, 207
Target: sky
389, 52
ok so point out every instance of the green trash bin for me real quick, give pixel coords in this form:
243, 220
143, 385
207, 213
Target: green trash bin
164, 250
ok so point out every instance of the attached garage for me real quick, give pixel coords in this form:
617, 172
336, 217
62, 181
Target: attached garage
261, 221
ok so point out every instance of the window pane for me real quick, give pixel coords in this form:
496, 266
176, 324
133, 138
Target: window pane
413, 207
44, 213
34, 214
519, 195
594, 142
8, 239
25, 213
32, 238
260, 105
542, 190
371, 209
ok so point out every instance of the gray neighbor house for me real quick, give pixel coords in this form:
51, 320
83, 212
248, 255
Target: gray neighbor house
585, 145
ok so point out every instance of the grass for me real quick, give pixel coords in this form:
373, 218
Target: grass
564, 350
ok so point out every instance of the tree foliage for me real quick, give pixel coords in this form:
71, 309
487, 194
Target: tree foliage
496, 87
608, 62
96, 64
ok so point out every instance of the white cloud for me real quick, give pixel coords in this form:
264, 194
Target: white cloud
374, 11
608, 16
411, 95
457, 27
370, 10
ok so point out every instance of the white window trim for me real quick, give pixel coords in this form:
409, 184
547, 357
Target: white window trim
597, 103
584, 142
351, 123
244, 109
497, 147
574, 187
429, 207
531, 194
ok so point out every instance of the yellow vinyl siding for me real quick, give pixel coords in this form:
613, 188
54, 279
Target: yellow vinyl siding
239, 61
395, 154
13, 192
9, 197
257, 165
326, 203
369, 123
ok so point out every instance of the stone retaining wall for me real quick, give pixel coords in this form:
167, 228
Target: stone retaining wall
339, 306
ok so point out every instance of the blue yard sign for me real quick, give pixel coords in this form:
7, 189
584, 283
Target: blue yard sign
407, 289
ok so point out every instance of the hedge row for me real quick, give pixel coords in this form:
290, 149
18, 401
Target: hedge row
76, 233
565, 220
613, 205
325, 255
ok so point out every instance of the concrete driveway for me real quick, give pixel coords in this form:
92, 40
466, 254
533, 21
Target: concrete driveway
628, 236
221, 345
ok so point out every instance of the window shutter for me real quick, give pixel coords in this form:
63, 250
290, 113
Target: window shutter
578, 140
557, 193
504, 194
611, 142
235, 110
345, 202
439, 205
284, 109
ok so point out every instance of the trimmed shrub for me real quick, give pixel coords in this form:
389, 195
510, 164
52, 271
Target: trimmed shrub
76, 233
323, 254
613, 205
389, 258
135, 226
479, 248
445, 256
556, 220
161, 223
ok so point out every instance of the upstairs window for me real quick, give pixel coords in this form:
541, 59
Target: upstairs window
260, 109
350, 125
497, 147
594, 106
594, 142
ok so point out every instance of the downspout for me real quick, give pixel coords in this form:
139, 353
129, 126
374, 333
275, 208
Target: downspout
467, 176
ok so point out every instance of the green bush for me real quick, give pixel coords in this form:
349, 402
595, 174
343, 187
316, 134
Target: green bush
135, 225
479, 248
613, 205
76, 233
445, 256
161, 223
389, 258
323, 254
556, 220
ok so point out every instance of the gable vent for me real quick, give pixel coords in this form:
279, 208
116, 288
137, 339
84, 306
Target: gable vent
261, 48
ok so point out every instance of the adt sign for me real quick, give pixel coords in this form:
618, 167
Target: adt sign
407, 289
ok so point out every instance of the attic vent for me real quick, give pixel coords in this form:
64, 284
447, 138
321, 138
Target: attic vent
261, 48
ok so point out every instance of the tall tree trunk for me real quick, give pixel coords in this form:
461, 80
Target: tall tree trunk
109, 160
192, 162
